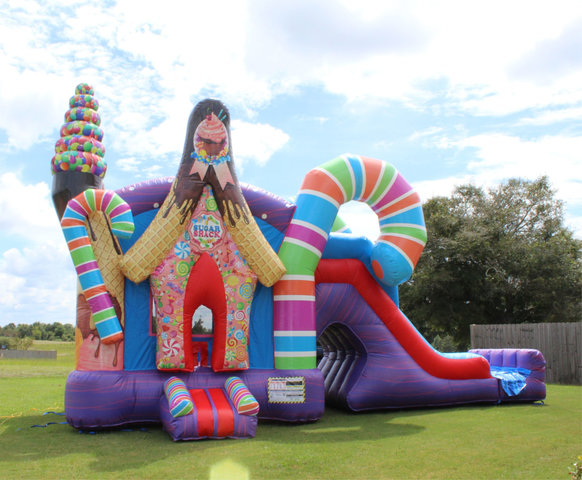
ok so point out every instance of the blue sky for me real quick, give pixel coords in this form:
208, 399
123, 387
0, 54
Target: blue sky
449, 92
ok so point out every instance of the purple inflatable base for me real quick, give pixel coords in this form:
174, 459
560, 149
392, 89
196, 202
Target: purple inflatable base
530, 359
98, 400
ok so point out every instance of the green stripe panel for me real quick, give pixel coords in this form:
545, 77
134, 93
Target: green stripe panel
113, 203
90, 197
103, 315
123, 226
82, 255
410, 231
340, 170
292, 363
389, 173
303, 261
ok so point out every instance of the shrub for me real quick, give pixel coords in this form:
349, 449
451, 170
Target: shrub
576, 469
446, 343
15, 343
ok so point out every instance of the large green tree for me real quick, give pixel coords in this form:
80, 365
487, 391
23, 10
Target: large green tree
501, 256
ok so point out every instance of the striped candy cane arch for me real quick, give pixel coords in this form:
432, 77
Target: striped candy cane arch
394, 256
92, 284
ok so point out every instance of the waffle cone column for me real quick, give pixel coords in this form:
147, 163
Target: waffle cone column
105, 248
262, 259
153, 246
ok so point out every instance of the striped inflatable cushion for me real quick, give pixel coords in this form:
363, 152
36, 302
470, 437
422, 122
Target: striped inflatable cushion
241, 397
178, 397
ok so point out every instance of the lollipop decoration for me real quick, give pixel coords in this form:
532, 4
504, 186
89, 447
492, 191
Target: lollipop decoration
94, 289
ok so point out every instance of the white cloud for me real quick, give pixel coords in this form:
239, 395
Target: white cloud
150, 64
498, 157
552, 116
29, 107
37, 276
503, 156
429, 132
558, 157
38, 284
557, 56
27, 210
361, 219
256, 142
441, 187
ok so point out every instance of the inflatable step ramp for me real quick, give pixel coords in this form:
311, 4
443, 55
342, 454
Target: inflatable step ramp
200, 413
344, 357
521, 373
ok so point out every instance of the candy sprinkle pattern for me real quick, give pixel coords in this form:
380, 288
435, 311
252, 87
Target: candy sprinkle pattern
92, 284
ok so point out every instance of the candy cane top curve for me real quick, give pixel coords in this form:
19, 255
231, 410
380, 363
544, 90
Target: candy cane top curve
92, 284
324, 190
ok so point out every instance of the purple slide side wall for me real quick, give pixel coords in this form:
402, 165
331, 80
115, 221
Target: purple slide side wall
366, 368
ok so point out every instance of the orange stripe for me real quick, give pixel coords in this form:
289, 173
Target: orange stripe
224, 412
71, 222
203, 412
372, 170
94, 291
98, 199
117, 337
295, 287
399, 205
81, 200
410, 247
319, 181
79, 242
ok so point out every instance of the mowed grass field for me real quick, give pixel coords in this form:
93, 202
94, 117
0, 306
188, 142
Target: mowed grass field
473, 442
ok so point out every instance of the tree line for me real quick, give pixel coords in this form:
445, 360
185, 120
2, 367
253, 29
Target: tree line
21, 336
494, 257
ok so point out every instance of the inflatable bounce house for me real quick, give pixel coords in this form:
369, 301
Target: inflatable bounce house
204, 304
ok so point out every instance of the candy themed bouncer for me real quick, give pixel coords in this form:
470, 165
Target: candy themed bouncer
204, 304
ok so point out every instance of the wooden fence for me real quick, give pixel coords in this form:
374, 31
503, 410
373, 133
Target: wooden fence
38, 354
560, 343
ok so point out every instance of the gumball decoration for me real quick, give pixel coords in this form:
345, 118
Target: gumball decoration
80, 149
78, 162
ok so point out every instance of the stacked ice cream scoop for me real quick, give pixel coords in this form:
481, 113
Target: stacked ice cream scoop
80, 149
78, 162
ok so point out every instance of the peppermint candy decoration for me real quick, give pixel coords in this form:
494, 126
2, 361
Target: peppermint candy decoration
182, 250
170, 347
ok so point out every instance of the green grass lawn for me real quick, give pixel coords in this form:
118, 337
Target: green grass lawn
477, 442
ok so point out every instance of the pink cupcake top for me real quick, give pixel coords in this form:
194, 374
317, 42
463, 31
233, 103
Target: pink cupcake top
211, 129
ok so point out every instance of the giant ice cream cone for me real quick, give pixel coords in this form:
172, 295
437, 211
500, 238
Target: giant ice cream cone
78, 165
78, 162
